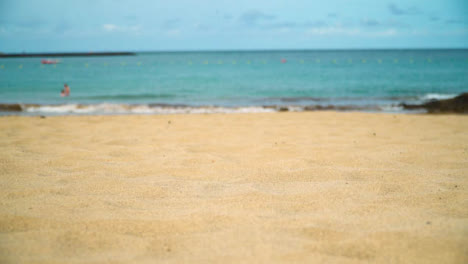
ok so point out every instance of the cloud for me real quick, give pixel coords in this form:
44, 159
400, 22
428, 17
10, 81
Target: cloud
109, 27
283, 25
396, 10
202, 27
294, 25
253, 17
171, 23
369, 22
386, 33
352, 32
317, 23
454, 21
333, 30
116, 28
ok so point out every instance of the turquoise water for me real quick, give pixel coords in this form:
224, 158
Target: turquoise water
368, 79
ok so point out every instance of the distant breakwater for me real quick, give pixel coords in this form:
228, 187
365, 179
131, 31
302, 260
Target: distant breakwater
66, 54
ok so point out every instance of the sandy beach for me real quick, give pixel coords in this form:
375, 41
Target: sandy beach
310, 187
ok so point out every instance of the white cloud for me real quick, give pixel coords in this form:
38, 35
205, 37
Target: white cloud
385, 33
344, 31
253, 17
109, 27
115, 28
333, 31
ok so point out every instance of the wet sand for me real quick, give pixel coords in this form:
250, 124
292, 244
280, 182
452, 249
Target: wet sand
312, 187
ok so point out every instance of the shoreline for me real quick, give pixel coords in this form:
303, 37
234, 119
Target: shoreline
443, 104
163, 109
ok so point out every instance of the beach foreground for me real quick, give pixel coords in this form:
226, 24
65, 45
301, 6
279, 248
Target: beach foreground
305, 187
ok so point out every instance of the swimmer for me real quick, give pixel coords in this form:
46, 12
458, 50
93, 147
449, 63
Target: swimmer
65, 91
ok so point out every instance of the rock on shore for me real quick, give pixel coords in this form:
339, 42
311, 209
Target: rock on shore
458, 104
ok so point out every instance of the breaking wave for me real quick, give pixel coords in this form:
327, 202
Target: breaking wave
437, 96
110, 109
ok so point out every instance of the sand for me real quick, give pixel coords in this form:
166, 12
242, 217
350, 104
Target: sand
312, 187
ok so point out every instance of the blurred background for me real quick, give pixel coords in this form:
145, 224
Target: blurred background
205, 56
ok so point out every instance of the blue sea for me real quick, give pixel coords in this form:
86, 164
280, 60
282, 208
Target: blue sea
233, 81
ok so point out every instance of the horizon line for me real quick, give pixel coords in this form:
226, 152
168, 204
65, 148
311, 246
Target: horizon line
229, 50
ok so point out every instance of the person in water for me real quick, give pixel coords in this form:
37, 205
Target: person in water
65, 91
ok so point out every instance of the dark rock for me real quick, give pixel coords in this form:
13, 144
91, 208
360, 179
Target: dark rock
11, 108
319, 107
458, 104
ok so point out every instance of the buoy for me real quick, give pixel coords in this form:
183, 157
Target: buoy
283, 60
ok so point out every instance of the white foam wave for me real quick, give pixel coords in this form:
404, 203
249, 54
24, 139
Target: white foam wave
436, 96
138, 109
112, 109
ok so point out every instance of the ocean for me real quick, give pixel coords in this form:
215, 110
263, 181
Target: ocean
233, 81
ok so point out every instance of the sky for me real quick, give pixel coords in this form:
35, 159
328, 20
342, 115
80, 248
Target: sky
161, 25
